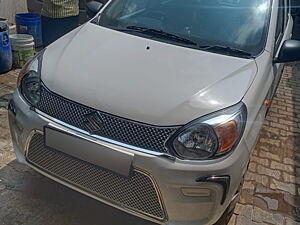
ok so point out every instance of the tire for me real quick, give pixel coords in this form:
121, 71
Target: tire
225, 218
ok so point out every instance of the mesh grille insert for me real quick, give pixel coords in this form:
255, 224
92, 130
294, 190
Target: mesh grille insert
136, 192
114, 127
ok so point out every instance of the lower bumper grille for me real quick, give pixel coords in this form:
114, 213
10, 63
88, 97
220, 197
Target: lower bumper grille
136, 193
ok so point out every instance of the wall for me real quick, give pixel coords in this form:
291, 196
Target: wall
8, 8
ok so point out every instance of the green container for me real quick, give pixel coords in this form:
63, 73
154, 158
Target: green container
22, 49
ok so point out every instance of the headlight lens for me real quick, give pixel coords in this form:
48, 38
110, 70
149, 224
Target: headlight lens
210, 136
29, 80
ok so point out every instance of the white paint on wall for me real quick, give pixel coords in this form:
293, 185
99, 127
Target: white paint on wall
8, 8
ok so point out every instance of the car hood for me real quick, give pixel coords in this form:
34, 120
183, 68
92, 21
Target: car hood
141, 79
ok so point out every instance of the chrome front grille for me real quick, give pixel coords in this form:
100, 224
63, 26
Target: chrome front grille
115, 128
137, 193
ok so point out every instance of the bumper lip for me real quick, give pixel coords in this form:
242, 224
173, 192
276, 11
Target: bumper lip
103, 200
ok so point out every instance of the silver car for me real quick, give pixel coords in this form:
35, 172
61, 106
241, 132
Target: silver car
154, 106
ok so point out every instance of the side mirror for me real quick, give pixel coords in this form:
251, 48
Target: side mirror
289, 52
92, 8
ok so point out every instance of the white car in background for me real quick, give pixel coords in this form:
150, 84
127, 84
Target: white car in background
154, 106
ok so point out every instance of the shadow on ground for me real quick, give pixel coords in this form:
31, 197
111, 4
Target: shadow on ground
293, 83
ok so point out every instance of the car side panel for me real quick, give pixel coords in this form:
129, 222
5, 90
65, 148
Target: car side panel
254, 98
265, 83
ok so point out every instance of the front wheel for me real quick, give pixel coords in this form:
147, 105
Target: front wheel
225, 218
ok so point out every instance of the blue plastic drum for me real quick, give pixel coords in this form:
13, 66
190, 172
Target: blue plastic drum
30, 23
5, 52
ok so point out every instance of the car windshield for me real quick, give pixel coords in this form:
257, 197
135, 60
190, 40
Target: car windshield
218, 25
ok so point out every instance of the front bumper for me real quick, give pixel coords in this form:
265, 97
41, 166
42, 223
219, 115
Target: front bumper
186, 196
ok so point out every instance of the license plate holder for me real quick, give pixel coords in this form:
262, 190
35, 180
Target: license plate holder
98, 154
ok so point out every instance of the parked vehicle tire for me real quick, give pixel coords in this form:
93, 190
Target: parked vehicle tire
225, 218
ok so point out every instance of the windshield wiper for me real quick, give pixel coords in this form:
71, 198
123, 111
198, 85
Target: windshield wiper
226, 49
160, 33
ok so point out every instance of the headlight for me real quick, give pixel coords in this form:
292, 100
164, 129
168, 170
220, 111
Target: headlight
29, 80
210, 136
